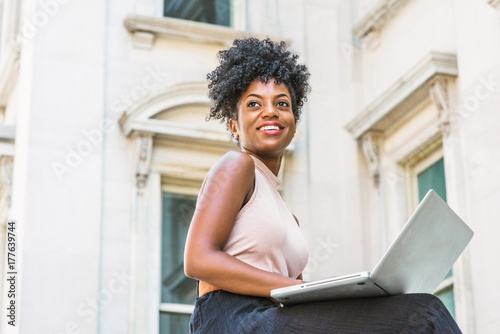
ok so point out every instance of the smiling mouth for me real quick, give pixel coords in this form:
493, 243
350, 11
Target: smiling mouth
270, 128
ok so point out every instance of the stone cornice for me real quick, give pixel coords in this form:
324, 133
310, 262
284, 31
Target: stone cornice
375, 19
380, 113
138, 119
9, 70
179, 94
495, 4
145, 29
174, 129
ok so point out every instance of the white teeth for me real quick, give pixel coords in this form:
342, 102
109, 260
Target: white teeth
270, 127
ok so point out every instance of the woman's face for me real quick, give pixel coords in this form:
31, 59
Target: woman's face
266, 123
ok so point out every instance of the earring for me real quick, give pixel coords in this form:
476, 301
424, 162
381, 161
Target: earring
235, 135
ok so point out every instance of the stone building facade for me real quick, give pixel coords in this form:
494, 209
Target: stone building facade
104, 145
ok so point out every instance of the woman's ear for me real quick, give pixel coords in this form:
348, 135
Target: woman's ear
233, 128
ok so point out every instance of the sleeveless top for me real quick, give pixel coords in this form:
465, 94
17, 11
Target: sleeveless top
265, 233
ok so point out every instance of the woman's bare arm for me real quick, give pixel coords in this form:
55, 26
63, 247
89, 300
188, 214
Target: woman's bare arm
226, 188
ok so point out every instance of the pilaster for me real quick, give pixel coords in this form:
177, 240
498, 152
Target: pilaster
439, 94
371, 146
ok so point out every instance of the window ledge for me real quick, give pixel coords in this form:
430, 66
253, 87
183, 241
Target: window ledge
413, 86
181, 309
145, 29
445, 284
495, 4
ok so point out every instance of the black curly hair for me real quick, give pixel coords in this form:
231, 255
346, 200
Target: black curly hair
251, 59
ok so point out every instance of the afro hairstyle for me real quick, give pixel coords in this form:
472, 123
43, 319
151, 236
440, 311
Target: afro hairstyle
251, 59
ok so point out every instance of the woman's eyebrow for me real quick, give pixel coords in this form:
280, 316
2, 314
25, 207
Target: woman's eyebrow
257, 95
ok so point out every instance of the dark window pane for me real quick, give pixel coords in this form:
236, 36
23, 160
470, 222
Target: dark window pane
448, 298
432, 178
177, 211
449, 274
174, 324
207, 11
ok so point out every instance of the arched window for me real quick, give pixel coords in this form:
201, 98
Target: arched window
175, 149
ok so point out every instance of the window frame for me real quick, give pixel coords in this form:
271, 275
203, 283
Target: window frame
237, 19
157, 140
183, 187
413, 170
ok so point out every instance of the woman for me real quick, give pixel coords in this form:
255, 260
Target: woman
243, 241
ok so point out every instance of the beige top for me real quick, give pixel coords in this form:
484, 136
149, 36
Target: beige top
265, 234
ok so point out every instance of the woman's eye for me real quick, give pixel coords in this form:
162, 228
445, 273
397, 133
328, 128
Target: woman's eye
283, 104
252, 104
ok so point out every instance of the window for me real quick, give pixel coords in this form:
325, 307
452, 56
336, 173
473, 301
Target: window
431, 175
177, 291
208, 11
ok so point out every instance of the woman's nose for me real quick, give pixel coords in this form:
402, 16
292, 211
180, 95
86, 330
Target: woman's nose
270, 111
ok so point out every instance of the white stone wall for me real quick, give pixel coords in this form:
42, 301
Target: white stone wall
61, 93
468, 30
478, 32
414, 29
84, 225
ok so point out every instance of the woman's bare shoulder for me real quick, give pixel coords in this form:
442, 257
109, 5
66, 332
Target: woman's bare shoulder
234, 172
235, 164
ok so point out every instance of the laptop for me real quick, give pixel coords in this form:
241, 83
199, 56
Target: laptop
417, 261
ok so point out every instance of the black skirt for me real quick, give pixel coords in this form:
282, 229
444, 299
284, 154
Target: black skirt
222, 312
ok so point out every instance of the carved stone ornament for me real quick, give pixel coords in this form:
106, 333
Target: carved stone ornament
495, 4
6, 170
145, 150
368, 27
370, 144
440, 97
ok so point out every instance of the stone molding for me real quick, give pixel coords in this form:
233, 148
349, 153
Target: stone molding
137, 120
440, 96
428, 142
371, 144
6, 171
6, 174
146, 29
175, 95
9, 71
495, 4
379, 114
144, 153
369, 25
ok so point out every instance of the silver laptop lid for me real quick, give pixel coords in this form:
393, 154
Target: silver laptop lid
425, 249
